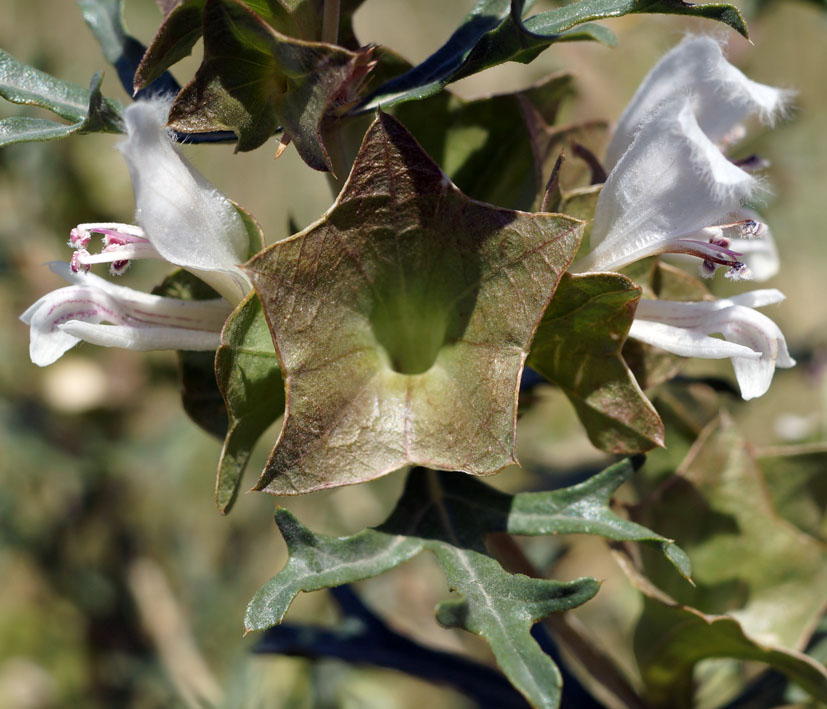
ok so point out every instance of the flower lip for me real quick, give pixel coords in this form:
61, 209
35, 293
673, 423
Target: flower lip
139, 321
753, 341
671, 193
722, 96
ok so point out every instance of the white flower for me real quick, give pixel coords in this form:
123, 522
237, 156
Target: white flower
754, 342
181, 219
722, 97
139, 321
670, 188
672, 191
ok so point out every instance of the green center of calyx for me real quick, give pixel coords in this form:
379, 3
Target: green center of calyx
418, 312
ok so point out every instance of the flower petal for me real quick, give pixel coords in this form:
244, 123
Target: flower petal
671, 182
687, 343
60, 319
755, 343
722, 96
142, 338
188, 221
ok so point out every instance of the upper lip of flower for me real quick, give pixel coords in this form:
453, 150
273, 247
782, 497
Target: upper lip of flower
680, 194
722, 96
182, 218
671, 192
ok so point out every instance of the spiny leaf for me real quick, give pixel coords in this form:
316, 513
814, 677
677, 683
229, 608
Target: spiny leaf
502, 607
254, 80
87, 110
760, 580
577, 347
402, 320
584, 508
494, 32
451, 515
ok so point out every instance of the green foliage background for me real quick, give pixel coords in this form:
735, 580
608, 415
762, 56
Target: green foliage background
108, 529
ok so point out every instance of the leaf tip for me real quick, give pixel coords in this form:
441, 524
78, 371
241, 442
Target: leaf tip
679, 559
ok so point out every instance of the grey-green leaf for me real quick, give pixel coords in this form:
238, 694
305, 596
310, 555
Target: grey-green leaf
584, 509
450, 515
87, 109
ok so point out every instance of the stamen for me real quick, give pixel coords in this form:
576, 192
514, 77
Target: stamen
76, 262
118, 268
79, 238
121, 243
739, 271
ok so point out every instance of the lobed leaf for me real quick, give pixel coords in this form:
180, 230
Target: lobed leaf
494, 32
402, 320
584, 509
578, 347
450, 515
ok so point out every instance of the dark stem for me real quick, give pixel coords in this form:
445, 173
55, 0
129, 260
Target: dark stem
330, 21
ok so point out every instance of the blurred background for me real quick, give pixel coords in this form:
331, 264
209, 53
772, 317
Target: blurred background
122, 585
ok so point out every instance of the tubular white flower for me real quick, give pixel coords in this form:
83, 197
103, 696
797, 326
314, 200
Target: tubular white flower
139, 321
722, 97
671, 192
182, 219
755, 343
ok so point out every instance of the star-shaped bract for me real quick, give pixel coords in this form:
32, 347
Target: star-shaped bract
402, 320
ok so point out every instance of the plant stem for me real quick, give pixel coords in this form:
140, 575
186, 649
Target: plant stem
568, 630
330, 21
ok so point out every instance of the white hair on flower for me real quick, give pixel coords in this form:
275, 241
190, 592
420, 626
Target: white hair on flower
722, 96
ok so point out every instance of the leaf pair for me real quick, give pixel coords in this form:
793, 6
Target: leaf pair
450, 515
